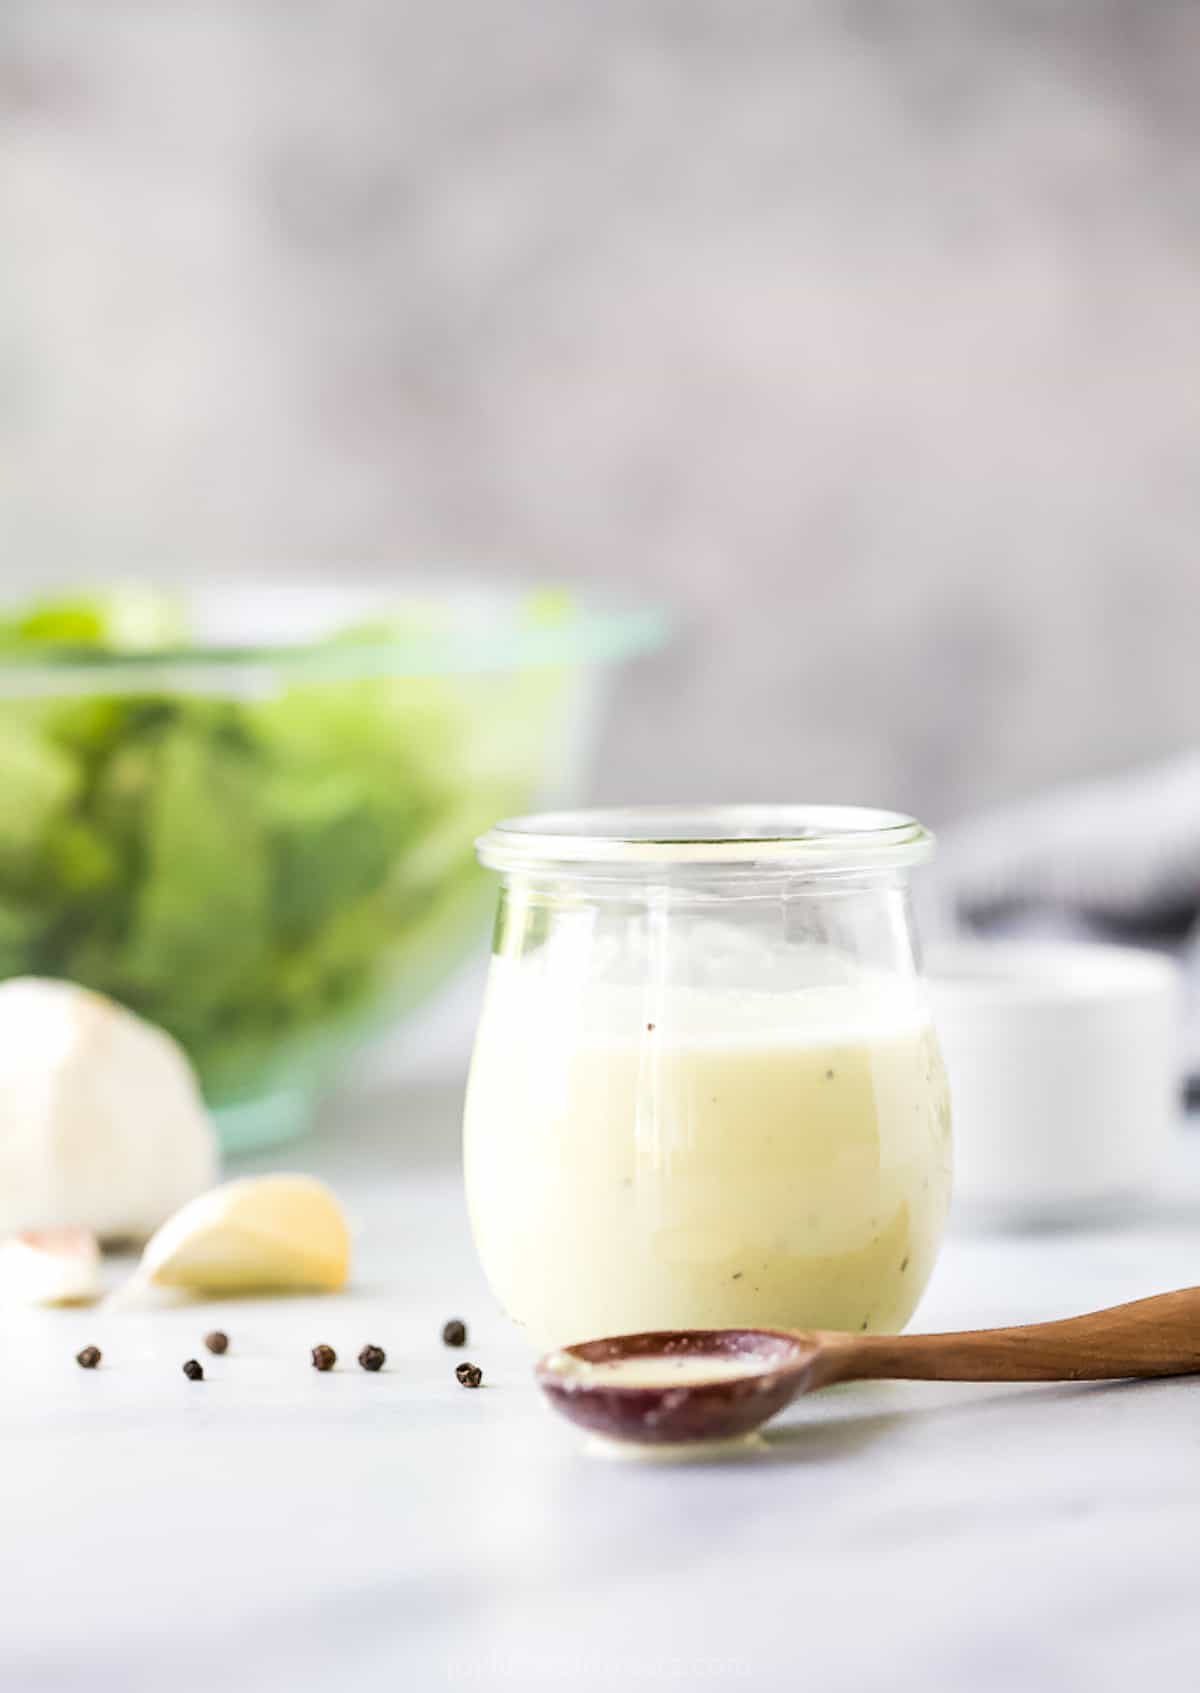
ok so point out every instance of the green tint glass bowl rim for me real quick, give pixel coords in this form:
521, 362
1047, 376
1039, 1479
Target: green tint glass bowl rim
590, 635
731, 839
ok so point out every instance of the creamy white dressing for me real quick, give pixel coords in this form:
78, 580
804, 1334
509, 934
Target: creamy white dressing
658, 1370
762, 1159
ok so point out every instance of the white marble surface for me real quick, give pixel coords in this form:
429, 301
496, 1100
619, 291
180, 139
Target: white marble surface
275, 1528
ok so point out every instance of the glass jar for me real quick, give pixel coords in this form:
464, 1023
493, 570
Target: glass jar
706, 1091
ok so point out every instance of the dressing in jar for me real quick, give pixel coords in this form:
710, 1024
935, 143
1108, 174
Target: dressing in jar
706, 1091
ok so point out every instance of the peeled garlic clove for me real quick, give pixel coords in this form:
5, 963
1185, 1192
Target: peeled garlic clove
101, 1122
50, 1267
259, 1235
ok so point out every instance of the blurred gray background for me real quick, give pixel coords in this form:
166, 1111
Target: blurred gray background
867, 335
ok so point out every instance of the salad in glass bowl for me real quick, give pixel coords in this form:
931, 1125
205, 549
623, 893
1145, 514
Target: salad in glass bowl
251, 817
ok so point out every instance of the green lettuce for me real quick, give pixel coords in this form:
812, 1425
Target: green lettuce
262, 876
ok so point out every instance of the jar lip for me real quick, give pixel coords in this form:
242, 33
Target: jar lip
832, 838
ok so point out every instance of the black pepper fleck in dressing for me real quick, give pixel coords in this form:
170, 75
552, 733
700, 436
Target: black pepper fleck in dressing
88, 1358
469, 1375
193, 1370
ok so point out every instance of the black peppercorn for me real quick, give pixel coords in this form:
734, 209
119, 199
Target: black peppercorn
323, 1357
217, 1342
469, 1375
193, 1371
372, 1357
454, 1333
88, 1358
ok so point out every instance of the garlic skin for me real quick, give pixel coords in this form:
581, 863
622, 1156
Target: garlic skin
101, 1122
54, 1267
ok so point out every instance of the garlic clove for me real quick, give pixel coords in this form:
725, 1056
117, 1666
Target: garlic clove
50, 1267
279, 1233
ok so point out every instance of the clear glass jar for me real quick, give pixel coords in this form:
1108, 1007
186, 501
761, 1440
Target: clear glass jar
706, 1091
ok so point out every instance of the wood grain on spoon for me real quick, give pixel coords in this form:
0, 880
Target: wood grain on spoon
1159, 1336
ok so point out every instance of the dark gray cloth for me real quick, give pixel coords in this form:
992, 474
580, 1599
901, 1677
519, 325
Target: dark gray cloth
1123, 853
1116, 859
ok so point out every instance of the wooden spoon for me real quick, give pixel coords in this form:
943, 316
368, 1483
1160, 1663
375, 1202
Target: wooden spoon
687, 1385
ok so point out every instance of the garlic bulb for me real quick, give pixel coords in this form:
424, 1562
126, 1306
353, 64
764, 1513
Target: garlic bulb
101, 1122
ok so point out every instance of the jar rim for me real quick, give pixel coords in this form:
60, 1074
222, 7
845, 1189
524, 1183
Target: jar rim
803, 838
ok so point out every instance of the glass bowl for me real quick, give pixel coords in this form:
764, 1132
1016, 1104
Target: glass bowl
263, 840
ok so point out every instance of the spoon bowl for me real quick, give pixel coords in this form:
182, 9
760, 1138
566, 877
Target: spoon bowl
679, 1387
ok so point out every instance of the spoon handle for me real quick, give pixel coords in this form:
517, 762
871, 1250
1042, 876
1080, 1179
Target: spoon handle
1150, 1337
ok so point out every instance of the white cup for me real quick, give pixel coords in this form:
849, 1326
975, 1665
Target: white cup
1063, 1067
